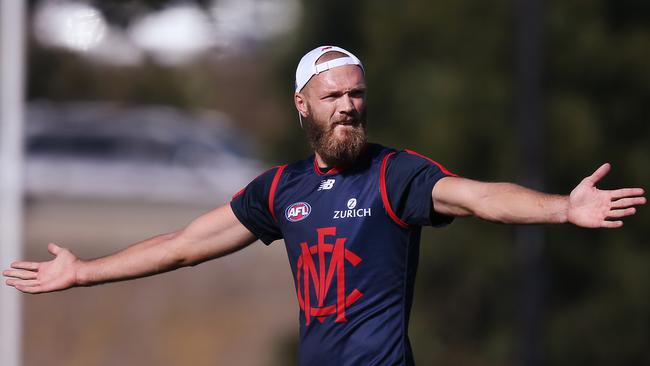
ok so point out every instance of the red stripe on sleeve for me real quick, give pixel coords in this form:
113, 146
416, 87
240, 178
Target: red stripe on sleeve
241, 191
442, 168
384, 193
274, 187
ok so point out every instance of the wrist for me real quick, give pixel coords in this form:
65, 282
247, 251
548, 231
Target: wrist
81, 273
563, 211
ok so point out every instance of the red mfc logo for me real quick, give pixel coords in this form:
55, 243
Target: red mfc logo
321, 277
297, 211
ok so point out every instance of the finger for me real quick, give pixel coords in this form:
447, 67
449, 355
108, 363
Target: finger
21, 274
54, 249
627, 202
23, 283
627, 192
29, 289
599, 173
32, 266
612, 224
621, 213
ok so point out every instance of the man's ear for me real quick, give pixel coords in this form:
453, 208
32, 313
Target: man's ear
301, 104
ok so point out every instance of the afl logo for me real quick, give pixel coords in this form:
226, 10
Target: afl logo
297, 211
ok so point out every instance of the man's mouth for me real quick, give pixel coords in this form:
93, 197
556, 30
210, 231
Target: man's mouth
347, 122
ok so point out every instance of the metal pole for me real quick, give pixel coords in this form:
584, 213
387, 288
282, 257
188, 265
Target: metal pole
12, 43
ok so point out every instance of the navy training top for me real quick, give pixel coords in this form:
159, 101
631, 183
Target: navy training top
352, 238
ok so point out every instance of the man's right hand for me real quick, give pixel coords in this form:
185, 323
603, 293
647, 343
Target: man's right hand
37, 277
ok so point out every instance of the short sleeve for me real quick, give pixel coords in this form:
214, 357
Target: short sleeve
410, 178
251, 207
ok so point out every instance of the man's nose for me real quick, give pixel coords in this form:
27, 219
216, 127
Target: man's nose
345, 104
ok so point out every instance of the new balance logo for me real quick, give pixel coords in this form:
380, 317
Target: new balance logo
326, 184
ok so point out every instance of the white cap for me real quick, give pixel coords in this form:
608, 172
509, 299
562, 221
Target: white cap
307, 66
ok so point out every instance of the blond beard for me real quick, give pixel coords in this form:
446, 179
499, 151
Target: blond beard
339, 152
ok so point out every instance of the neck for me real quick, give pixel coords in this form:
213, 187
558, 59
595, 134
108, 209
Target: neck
321, 163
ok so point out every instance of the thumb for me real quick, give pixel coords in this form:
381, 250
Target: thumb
599, 174
54, 249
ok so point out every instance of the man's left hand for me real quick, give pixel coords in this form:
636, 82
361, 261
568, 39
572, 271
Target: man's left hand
593, 208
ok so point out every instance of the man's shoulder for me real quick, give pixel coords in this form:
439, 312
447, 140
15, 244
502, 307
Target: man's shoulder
300, 166
406, 159
397, 153
378, 151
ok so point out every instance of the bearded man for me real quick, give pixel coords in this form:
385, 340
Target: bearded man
350, 216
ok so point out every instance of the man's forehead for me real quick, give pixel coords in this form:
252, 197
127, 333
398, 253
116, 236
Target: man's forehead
345, 76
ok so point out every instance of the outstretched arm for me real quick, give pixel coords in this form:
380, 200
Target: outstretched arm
210, 236
586, 206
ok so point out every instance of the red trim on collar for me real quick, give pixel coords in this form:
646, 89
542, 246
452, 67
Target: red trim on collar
318, 170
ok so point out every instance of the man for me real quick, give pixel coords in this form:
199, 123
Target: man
350, 216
